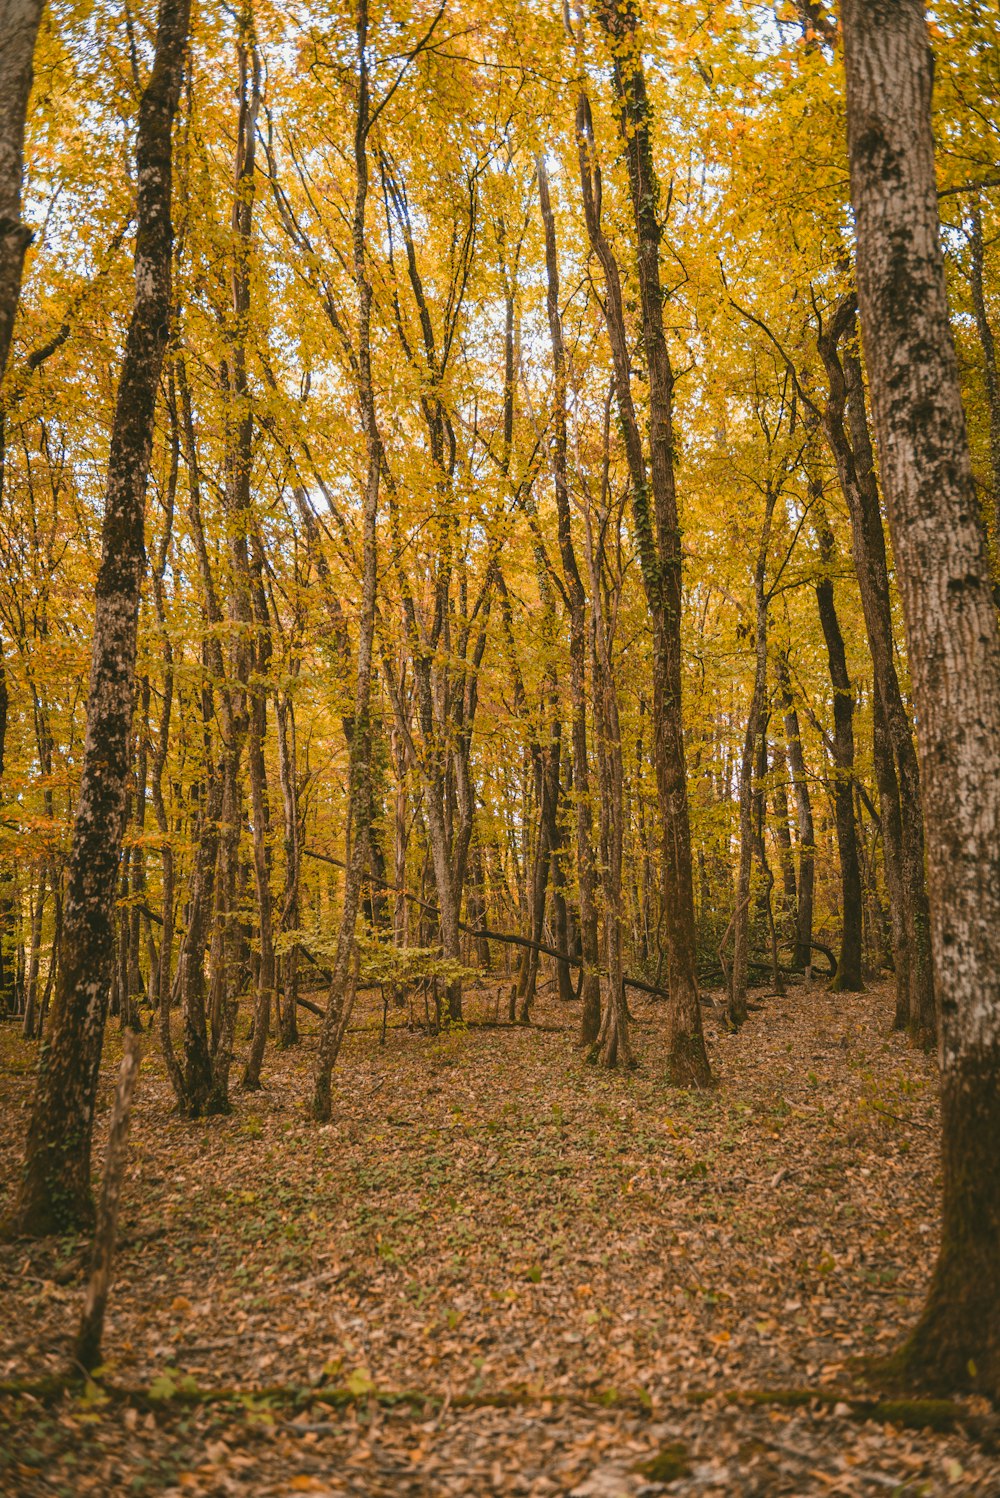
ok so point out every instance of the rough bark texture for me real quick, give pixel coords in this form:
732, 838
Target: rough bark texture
954, 652
654, 508
55, 1192
19, 22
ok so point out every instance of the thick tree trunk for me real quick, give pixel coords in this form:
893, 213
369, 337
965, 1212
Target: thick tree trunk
19, 22
954, 652
55, 1192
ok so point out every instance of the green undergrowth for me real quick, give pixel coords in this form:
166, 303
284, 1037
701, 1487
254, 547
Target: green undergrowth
173, 1388
939, 1415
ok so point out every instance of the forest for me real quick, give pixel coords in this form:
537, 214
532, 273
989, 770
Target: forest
499, 747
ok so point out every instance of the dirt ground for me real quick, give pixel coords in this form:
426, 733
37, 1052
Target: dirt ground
503, 1271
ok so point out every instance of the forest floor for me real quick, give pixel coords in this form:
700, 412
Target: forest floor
502, 1271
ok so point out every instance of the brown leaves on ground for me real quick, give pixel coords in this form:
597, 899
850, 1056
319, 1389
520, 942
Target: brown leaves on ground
555, 1265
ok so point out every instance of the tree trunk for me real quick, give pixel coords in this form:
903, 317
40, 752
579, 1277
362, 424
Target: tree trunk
991, 379
87, 1349
897, 773
612, 1046
849, 967
590, 984
656, 524
804, 821
779, 801
342, 987
741, 915
19, 22
55, 1192
954, 652
290, 916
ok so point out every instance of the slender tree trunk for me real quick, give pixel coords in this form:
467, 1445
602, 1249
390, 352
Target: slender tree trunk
954, 652
804, 821
290, 913
656, 523
897, 772
779, 802
31, 978
612, 1046
260, 807
991, 379
87, 1350
55, 1192
892, 855
849, 968
741, 915
19, 23
548, 811
162, 988
661, 547
760, 853
342, 987
590, 985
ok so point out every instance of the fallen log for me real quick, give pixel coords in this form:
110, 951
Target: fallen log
511, 938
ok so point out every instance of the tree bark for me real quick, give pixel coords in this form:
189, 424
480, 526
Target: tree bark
845, 420
19, 23
991, 379
290, 913
849, 967
954, 652
656, 523
87, 1351
612, 1046
803, 819
590, 986
55, 1192
741, 915
342, 988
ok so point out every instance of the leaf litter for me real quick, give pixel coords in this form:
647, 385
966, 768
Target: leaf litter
500, 1270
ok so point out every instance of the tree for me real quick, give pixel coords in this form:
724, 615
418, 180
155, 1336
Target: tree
55, 1191
654, 503
954, 649
19, 23
590, 985
342, 986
